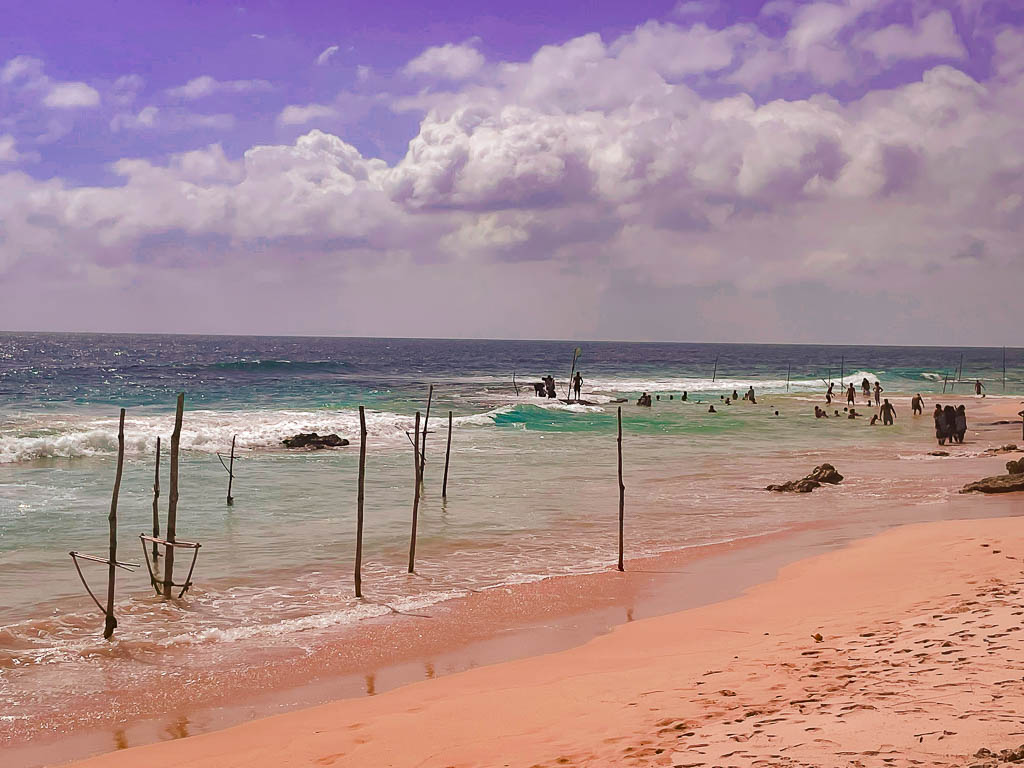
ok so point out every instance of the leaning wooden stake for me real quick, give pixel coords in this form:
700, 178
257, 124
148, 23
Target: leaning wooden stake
622, 494
416, 493
231, 470
156, 500
447, 457
714, 373
1004, 368
359, 502
172, 503
789, 368
423, 450
110, 623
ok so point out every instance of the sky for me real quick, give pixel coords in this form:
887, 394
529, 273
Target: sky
842, 171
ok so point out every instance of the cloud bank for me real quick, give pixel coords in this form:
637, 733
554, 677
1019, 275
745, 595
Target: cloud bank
679, 181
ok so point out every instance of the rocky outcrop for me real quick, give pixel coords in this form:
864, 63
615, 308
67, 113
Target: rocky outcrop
997, 484
1015, 466
824, 473
313, 441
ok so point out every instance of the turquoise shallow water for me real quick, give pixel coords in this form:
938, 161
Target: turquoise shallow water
532, 486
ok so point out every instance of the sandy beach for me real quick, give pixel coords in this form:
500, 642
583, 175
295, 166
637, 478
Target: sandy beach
920, 662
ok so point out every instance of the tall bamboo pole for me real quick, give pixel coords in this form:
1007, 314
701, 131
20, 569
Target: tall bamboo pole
416, 493
156, 500
447, 457
789, 369
172, 500
110, 622
622, 493
423, 450
714, 373
231, 470
1004, 369
842, 371
359, 502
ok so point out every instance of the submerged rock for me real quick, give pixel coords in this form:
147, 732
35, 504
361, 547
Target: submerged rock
938, 453
824, 473
1008, 448
314, 441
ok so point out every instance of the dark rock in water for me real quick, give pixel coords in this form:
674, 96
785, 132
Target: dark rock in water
938, 453
824, 473
313, 440
1015, 466
997, 484
803, 485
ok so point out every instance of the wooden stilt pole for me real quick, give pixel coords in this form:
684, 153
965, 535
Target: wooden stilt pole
714, 373
447, 457
842, 372
231, 470
423, 450
622, 494
416, 493
359, 502
172, 500
1004, 369
156, 500
789, 369
110, 622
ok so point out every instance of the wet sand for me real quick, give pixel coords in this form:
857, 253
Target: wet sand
515, 622
920, 661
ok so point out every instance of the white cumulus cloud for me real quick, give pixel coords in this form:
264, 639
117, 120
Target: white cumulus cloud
449, 61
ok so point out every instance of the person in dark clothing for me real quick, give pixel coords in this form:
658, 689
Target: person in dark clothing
865, 387
577, 384
549, 384
829, 394
978, 386
939, 416
851, 394
961, 423
888, 413
949, 413
750, 396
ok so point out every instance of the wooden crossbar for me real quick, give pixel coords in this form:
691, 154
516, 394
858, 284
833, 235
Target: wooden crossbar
166, 543
104, 560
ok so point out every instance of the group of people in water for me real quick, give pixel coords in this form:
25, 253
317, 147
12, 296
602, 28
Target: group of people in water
546, 386
950, 421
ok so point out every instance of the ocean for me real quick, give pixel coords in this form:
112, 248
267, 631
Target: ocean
532, 484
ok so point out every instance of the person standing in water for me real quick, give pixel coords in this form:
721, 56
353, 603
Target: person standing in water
917, 404
851, 394
949, 414
865, 387
961, 423
888, 413
829, 394
750, 395
978, 386
939, 416
878, 392
577, 384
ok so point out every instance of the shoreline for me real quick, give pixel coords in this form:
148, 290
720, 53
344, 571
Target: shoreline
504, 624
694, 686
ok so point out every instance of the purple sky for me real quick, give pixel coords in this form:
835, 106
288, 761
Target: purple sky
846, 171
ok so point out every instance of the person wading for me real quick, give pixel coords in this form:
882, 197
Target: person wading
888, 413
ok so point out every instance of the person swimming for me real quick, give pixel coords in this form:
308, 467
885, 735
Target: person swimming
711, 409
